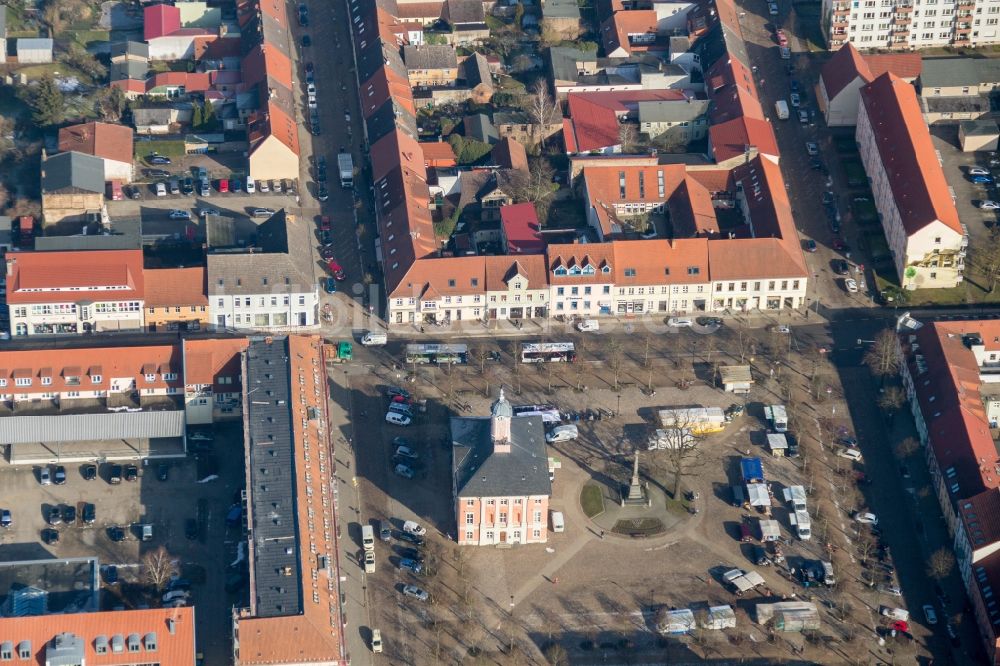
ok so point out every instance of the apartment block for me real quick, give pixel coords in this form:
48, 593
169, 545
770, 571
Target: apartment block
910, 24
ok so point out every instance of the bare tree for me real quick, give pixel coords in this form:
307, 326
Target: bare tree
940, 563
541, 108
158, 567
628, 136
892, 398
907, 447
882, 358
986, 259
556, 655
680, 454
616, 358
481, 353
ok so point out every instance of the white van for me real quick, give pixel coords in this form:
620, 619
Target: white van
563, 433
161, 189
374, 338
395, 418
558, 524
368, 537
588, 325
376, 641
251, 186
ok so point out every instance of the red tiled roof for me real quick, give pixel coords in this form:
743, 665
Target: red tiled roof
845, 66
730, 139
951, 402
519, 223
568, 255
56, 277
104, 140
119, 362
616, 29
172, 631
175, 287
419, 10
594, 116
980, 514
653, 262
908, 156
208, 359
438, 154
510, 154
160, 21
384, 85
273, 121
500, 269
904, 65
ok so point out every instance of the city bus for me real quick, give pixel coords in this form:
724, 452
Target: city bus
434, 353
541, 352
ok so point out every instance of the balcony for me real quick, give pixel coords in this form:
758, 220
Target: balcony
965, 5
902, 21
838, 20
963, 28
904, 9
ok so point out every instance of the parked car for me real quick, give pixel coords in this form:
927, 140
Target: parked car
251, 186
415, 539
563, 433
177, 214
851, 285
803, 117
50, 537
812, 148
809, 245
395, 418
53, 516
989, 205
393, 391
679, 322
263, 186
157, 159
772, 8
205, 212
89, 513
982, 180
330, 285
60, 475
930, 614
779, 36
415, 592
116, 533
115, 477
306, 41
161, 189
131, 472
69, 514
795, 99
156, 173
6, 520
978, 171
840, 267
204, 189
866, 518
411, 565
413, 527
262, 212
406, 452
187, 186
403, 470
44, 476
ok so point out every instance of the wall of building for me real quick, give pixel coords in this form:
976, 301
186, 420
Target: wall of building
159, 317
273, 159
265, 311
488, 521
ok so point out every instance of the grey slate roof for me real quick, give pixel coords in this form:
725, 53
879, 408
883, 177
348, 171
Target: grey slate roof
281, 264
479, 127
672, 111
479, 472
956, 104
979, 128
511, 118
568, 9
563, 61
130, 48
388, 118
430, 56
951, 72
129, 69
34, 44
5, 231
271, 454
72, 172
465, 11
91, 427
679, 44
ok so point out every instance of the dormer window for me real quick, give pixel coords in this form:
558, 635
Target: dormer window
560, 271
606, 270
575, 270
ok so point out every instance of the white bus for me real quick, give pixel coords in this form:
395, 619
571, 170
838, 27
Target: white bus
541, 352
435, 353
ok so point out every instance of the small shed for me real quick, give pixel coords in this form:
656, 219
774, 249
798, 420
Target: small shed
770, 530
719, 617
34, 51
975, 135
752, 469
758, 494
778, 444
736, 378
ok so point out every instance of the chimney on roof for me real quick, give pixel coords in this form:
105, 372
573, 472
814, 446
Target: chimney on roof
171, 625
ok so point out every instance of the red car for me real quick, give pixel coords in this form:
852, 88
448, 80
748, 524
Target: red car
324, 223
336, 270
780, 36
223, 185
900, 625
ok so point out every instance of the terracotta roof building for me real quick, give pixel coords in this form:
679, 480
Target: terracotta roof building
75, 292
843, 76
111, 143
921, 223
110, 638
176, 298
212, 379
294, 613
520, 229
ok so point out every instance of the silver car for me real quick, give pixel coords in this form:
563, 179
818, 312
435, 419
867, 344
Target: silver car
415, 592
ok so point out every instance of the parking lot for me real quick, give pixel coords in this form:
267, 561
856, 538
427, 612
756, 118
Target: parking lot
967, 194
563, 589
165, 505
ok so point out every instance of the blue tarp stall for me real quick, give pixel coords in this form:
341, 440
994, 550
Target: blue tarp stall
753, 470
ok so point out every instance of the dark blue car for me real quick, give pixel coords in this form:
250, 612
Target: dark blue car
981, 179
411, 565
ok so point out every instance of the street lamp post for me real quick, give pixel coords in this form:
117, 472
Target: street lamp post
619, 410
511, 623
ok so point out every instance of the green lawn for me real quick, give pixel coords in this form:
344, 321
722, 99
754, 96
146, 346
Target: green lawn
967, 293
165, 148
88, 37
639, 526
592, 500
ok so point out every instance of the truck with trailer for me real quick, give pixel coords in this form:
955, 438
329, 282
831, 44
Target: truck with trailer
345, 163
777, 417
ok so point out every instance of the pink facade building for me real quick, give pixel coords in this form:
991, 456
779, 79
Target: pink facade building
500, 478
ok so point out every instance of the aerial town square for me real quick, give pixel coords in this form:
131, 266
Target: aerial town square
517, 332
